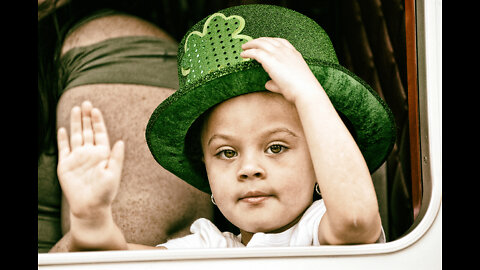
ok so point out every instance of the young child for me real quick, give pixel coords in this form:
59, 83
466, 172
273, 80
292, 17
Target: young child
258, 131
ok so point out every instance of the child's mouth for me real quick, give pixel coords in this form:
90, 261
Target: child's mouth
255, 200
254, 197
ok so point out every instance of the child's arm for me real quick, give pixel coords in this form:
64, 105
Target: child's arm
89, 173
352, 212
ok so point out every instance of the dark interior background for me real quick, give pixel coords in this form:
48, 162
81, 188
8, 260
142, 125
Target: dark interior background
368, 36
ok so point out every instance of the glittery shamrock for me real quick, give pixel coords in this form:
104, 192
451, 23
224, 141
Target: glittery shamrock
218, 46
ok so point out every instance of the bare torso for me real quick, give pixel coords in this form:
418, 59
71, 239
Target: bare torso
152, 204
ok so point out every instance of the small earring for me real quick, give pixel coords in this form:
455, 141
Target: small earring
317, 189
212, 199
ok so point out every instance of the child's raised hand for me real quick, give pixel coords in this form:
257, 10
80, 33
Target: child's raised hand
88, 171
289, 73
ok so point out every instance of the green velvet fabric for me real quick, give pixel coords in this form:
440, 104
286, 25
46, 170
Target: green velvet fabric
174, 144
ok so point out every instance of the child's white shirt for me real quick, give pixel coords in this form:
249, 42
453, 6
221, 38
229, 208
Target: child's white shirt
305, 233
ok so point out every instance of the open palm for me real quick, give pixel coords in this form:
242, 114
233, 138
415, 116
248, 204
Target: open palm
88, 170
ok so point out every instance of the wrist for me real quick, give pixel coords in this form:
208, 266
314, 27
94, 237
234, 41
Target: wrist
97, 232
94, 218
313, 94
94, 215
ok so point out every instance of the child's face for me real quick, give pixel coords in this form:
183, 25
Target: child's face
257, 162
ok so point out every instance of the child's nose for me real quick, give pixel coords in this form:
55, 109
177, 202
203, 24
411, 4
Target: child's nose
251, 169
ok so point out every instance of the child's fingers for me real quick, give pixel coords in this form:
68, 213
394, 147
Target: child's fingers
284, 42
87, 122
258, 54
266, 50
115, 162
268, 44
268, 61
76, 138
63, 146
272, 86
99, 128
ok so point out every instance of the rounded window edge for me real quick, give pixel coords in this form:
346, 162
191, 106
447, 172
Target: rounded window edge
431, 179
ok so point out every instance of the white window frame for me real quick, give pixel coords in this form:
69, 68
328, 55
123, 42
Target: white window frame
420, 248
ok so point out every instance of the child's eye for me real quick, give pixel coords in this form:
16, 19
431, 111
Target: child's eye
227, 153
276, 149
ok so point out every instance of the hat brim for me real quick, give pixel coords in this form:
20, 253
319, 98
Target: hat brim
169, 124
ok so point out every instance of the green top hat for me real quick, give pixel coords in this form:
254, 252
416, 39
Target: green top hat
211, 71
